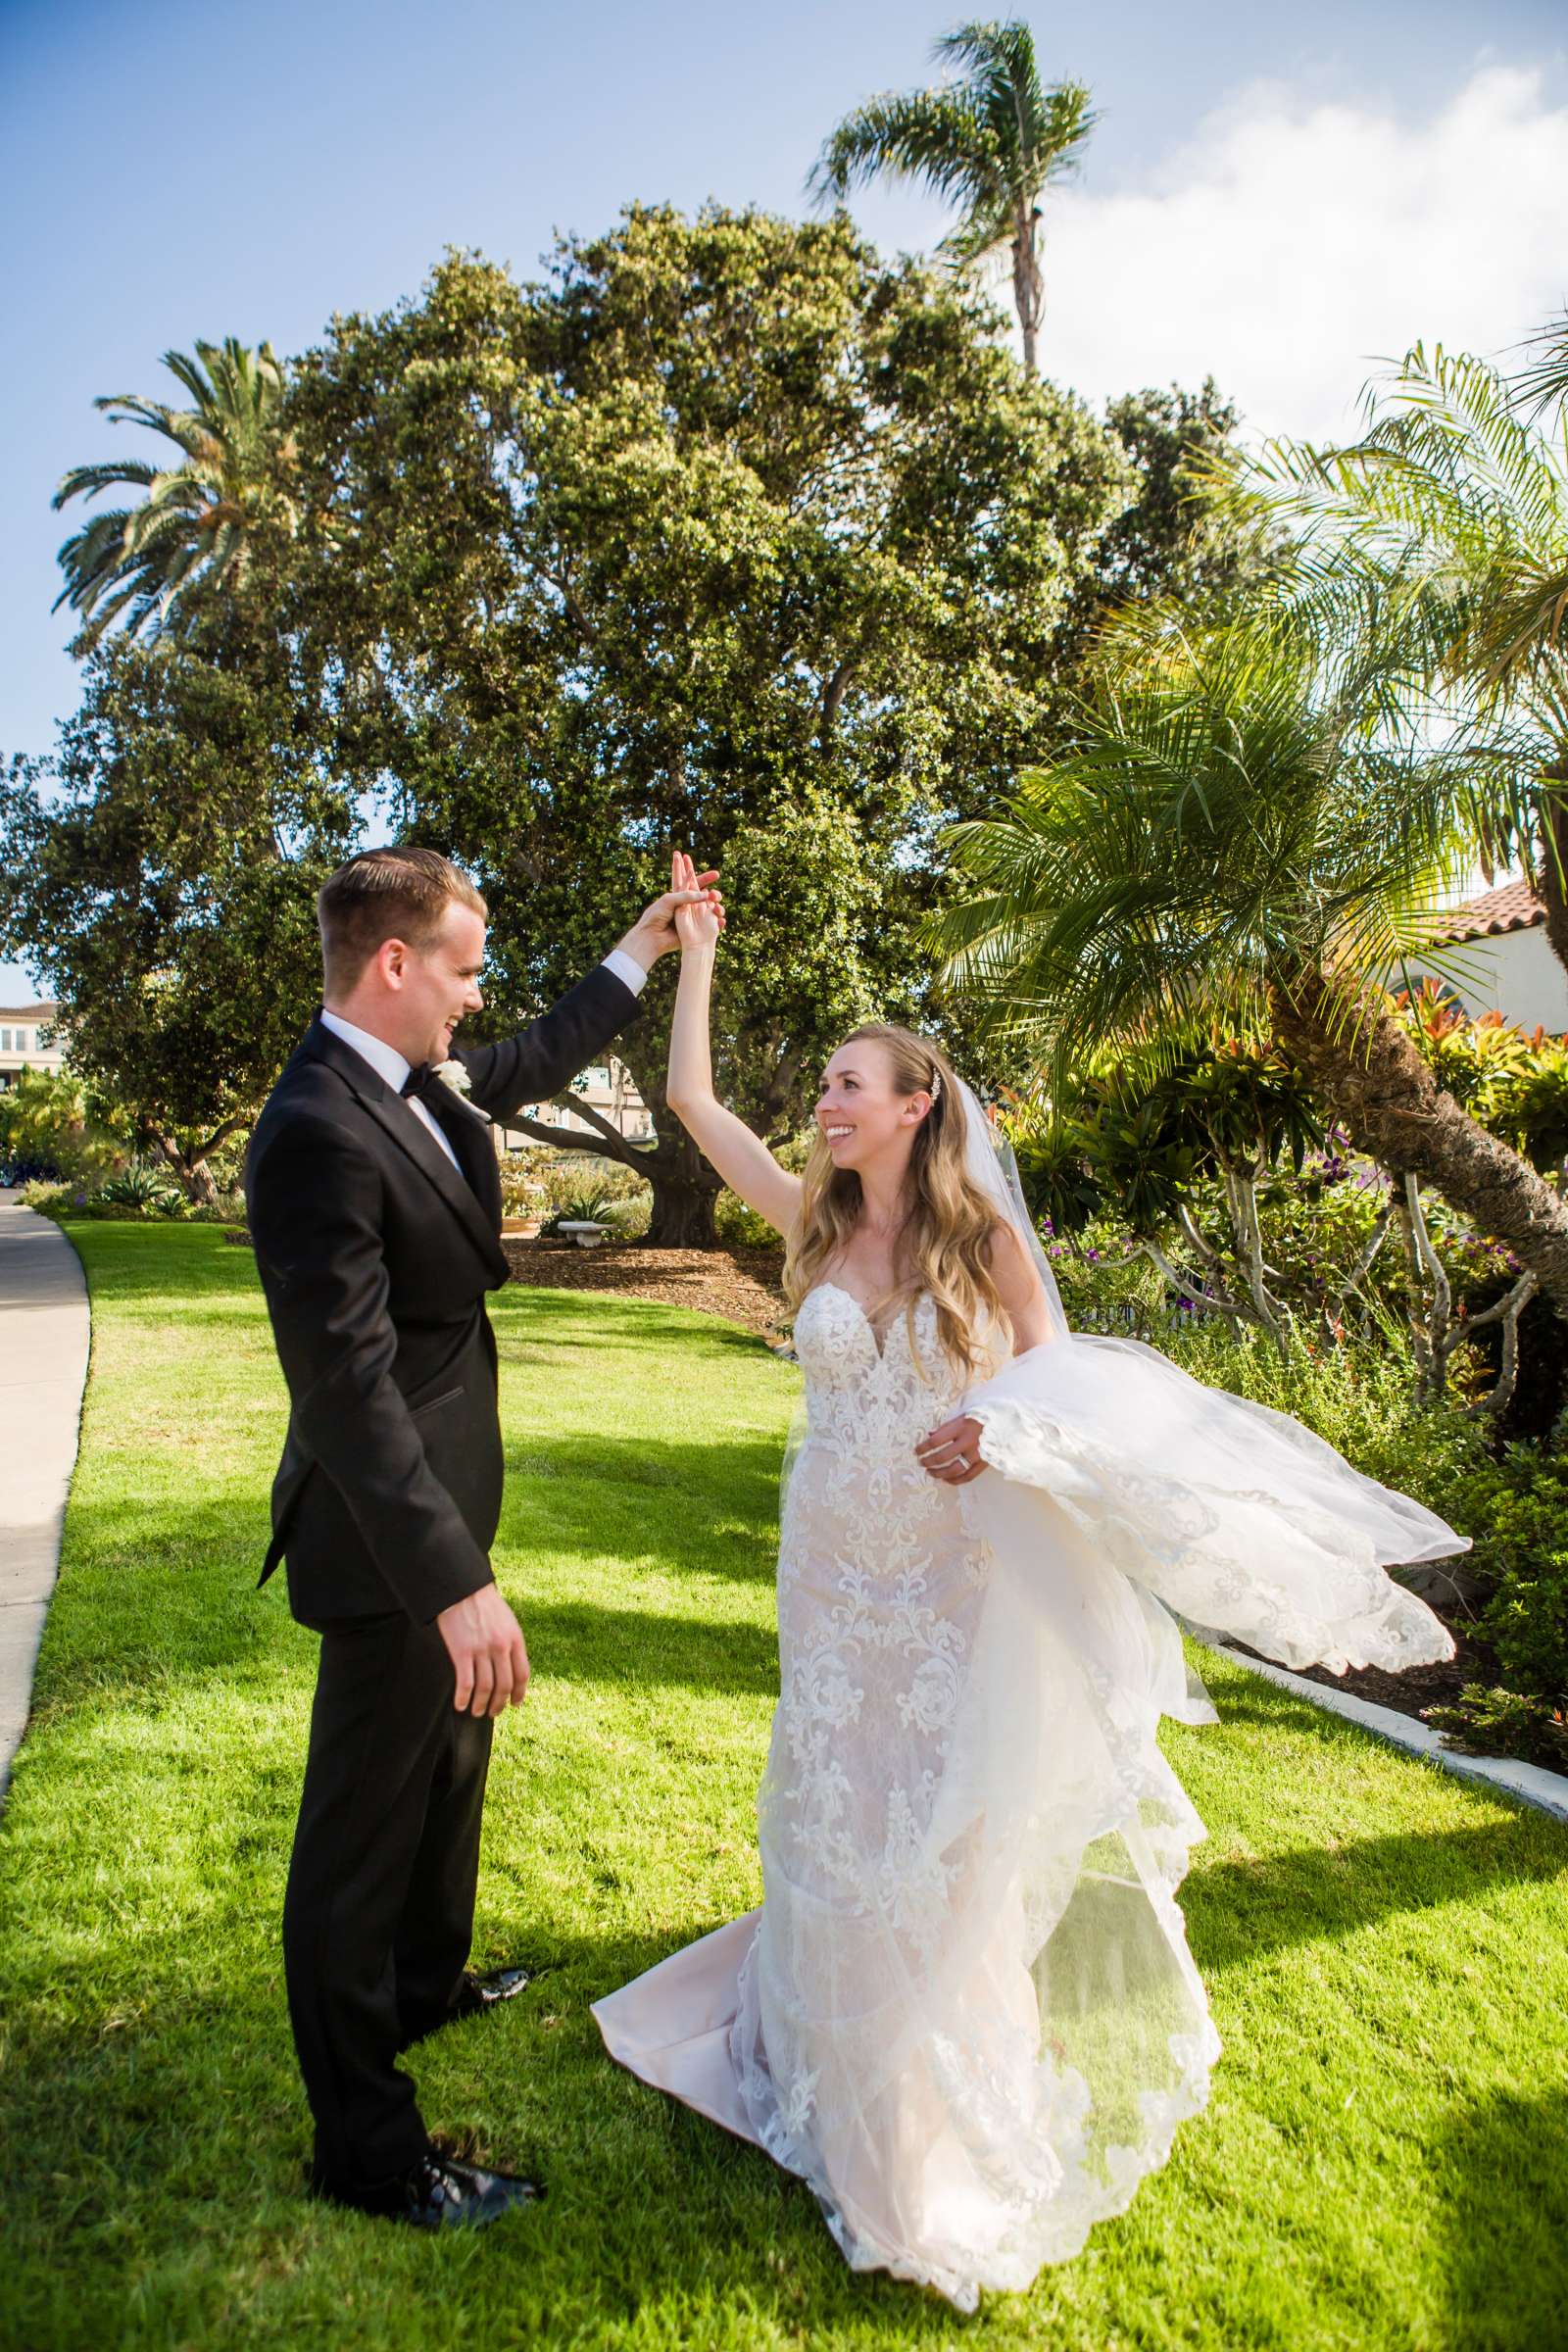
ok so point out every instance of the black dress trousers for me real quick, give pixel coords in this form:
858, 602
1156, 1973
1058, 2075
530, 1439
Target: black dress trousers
380, 1910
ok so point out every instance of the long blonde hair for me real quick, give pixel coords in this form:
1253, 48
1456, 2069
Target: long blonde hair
944, 1245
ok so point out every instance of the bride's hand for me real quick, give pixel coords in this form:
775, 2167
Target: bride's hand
699, 921
951, 1454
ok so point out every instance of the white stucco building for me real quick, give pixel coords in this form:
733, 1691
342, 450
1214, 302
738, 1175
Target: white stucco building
24, 1029
1498, 959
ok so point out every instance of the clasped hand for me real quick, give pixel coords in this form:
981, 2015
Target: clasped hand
668, 922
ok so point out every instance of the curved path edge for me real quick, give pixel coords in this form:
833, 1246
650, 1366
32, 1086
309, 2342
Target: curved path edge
45, 1338
1528, 1783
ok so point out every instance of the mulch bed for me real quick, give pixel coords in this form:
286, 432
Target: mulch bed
742, 1284
1418, 1687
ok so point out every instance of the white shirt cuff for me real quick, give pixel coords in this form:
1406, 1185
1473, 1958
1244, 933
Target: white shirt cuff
626, 967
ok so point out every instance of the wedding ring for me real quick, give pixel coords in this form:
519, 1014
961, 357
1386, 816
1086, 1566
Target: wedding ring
963, 1460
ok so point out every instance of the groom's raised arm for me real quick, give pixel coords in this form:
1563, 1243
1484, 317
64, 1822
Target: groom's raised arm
546, 1055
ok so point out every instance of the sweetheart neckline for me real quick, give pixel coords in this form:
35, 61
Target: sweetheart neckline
879, 1340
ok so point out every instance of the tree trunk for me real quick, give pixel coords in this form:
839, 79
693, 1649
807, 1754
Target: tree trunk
682, 1219
189, 1170
1552, 878
686, 1191
1384, 1094
201, 1190
1028, 286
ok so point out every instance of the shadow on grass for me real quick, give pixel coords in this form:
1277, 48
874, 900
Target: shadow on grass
1237, 1910
579, 1642
1490, 2250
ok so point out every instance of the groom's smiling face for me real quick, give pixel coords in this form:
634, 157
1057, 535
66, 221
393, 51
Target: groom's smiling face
440, 985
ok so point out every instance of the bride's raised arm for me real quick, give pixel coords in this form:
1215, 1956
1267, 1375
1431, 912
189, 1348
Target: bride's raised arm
741, 1157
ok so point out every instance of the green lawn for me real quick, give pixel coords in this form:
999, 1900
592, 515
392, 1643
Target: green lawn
1385, 2162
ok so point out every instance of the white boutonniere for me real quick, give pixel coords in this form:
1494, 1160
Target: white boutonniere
454, 1073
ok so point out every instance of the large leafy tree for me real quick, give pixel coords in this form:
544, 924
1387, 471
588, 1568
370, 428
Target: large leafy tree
158, 874
206, 510
726, 536
991, 141
1238, 835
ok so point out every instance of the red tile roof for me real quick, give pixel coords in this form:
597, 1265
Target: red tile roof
1513, 906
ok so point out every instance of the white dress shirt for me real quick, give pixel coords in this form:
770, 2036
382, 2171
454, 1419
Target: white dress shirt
388, 1063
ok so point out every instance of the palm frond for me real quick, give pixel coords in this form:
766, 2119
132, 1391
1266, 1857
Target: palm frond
936, 137
1218, 819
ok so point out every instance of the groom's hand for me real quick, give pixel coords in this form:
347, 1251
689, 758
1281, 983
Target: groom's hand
485, 1644
654, 933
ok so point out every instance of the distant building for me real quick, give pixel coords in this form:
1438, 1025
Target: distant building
606, 1088
24, 1029
1500, 960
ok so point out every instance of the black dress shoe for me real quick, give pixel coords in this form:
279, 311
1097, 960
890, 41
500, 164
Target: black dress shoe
476, 1994
438, 2193
473, 1997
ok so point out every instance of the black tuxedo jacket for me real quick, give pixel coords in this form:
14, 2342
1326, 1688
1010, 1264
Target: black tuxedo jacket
375, 1254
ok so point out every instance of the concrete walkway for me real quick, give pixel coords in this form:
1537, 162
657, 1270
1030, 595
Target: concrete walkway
44, 1336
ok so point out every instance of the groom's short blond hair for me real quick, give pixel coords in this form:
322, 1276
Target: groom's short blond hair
386, 893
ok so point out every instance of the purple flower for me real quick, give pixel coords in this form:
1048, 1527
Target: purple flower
1092, 1253
1054, 1250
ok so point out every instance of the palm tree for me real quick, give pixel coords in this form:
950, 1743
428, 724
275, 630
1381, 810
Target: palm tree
1451, 512
991, 142
1235, 840
159, 561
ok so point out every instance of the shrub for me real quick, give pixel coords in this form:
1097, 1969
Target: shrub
44, 1123
1492, 1722
741, 1226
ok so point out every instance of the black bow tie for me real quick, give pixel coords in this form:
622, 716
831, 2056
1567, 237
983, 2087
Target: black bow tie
419, 1078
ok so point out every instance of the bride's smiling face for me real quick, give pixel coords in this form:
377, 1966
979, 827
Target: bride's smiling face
859, 1115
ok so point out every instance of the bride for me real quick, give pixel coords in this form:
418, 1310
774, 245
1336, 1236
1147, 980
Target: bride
965, 2012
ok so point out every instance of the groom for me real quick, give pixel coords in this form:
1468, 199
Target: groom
375, 1204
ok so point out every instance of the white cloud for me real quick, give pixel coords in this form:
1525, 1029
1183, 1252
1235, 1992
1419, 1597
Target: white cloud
1289, 248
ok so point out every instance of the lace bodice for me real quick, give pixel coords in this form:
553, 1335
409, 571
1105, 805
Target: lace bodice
868, 1397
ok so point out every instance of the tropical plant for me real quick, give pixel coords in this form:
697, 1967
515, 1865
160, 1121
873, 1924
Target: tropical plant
1451, 517
1237, 837
143, 1186
194, 532
47, 1124
992, 143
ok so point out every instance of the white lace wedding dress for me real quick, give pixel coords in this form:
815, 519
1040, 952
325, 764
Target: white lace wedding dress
965, 2012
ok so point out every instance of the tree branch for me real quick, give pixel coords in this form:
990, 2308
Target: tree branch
1187, 1289
605, 1143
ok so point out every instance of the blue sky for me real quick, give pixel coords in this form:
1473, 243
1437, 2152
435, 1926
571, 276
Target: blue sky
1278, 195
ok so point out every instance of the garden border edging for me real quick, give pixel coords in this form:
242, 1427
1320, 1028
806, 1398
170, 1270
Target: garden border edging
1528, 1783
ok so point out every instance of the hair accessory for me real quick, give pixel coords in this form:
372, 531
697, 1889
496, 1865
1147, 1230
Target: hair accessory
936, 1088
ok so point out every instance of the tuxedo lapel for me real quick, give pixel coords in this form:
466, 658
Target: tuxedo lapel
473, 1139
410, 1135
